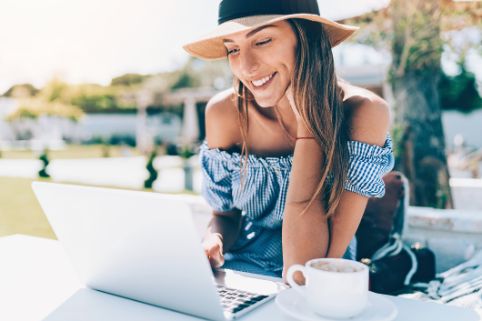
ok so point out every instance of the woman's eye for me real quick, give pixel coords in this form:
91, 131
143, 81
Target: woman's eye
232, 51
236, 50
263, 42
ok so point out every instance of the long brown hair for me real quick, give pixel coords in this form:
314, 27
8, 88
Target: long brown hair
319, 102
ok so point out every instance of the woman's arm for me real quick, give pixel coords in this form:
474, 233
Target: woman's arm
370, 122
222, 232
345, 222
306, 237
221, 132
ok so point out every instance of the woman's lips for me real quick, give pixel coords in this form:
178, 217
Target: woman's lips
266, 84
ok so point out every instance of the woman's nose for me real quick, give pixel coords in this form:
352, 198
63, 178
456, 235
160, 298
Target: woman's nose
249, 64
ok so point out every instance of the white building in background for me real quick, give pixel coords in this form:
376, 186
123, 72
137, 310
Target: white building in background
36, 134
165, 126
190, 123
191, 131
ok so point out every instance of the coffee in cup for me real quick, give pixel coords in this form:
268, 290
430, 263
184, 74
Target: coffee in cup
335, 288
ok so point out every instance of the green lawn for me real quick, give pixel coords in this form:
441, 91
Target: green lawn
20, 212
19, 209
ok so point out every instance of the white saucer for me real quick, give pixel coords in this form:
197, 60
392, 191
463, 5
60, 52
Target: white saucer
293, 304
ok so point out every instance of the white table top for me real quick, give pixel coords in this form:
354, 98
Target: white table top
36, 278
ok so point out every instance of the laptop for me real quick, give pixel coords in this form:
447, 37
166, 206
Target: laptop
145, 247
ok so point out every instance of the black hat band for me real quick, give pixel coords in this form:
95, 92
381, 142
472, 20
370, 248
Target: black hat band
233, 9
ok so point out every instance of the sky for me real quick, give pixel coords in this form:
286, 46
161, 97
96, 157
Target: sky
96, 40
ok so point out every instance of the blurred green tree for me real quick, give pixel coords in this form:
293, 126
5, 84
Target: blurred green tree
412, 31
459, 92
21, 91
55, 90
95, 98
186, 80
35, 107
198, 73
128, 80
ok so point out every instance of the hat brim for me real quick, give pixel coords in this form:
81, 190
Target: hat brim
211, 46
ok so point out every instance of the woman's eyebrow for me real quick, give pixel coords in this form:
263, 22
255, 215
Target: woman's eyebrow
252, 32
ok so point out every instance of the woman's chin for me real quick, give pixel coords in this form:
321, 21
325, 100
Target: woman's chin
266, 102
263, 105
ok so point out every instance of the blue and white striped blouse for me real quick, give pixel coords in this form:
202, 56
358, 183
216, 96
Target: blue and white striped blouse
262, 197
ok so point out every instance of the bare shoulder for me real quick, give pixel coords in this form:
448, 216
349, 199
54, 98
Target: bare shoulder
367, 113
222, 130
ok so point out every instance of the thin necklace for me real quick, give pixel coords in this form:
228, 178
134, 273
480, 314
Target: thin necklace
282, 125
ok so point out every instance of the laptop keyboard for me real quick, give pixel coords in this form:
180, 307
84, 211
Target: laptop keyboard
234, 300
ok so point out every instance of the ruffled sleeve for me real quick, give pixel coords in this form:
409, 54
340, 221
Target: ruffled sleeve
367, 165
216, 171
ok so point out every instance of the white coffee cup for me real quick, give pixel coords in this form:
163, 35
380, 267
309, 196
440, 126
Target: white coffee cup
334, 288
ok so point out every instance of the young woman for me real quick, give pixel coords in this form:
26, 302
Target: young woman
291, 153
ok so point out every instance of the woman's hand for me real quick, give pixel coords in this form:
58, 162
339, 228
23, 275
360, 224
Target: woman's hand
291, 100
302, 129
213, 247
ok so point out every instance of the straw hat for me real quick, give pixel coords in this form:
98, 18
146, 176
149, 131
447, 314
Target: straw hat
241, 15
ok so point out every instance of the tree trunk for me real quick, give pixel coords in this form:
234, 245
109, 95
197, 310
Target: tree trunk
418, 133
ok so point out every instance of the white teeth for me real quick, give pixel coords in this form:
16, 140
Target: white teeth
262, 81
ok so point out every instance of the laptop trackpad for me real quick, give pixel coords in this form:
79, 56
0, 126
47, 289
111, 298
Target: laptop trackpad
91, 305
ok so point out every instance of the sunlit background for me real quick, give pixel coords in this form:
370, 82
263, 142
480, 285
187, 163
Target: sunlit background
95, 41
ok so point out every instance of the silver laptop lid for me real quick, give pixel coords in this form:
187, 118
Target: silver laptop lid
122, 242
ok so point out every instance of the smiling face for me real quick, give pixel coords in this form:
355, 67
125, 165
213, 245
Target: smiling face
263, 59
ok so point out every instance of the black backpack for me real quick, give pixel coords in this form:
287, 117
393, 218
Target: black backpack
393, 264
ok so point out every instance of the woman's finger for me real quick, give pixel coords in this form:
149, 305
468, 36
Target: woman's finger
216, 258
